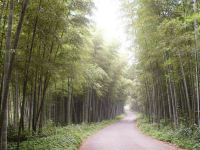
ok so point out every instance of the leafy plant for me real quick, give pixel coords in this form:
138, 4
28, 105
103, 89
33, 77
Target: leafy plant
183, 136
59, 138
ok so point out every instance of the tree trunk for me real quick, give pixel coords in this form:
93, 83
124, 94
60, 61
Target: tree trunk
69, 102
186, 87
197, 60
6, 80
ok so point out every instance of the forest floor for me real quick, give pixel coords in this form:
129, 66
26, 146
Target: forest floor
62, 138
124, 135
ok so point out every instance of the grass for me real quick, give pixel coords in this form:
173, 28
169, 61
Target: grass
62, 138
184, 137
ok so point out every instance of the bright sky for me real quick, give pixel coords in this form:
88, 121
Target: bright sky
108, 19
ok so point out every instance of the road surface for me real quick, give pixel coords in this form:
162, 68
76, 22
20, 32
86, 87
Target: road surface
124, 135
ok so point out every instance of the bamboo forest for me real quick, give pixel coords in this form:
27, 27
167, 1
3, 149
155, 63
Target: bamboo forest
99, 75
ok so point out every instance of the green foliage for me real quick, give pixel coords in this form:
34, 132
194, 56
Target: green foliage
62, 71
59, 138
13, 134
167, 61
185, 137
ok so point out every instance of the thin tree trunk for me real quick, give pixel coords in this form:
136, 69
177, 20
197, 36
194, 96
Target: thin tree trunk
26, 74
197, 60
69, 101
41, 108
10, 55
169, 100
6, 80
186, 87
16, 111
34, 104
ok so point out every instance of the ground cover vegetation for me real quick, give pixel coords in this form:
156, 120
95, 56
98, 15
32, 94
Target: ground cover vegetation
59, 138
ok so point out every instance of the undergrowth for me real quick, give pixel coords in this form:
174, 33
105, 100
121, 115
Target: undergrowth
184, 137
61, 138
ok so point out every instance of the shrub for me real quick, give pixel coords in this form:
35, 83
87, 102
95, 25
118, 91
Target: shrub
188, 138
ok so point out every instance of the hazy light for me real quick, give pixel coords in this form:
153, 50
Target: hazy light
109, 20
107, 17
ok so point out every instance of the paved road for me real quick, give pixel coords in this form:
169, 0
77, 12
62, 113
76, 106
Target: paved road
124, 135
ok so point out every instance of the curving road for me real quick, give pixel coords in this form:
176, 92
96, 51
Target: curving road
124, 135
